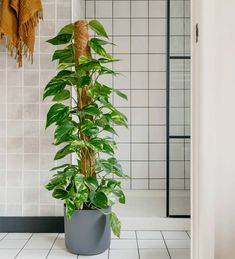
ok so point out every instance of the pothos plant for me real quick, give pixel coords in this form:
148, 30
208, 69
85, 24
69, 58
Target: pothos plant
92, 182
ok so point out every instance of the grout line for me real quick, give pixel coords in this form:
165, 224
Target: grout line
4, 236
166, 245
23, 246
52, 246
188, 234
138, 249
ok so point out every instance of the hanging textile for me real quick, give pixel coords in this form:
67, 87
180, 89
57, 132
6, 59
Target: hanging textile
18, 19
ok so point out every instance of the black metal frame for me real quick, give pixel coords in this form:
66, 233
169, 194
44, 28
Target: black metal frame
169, 57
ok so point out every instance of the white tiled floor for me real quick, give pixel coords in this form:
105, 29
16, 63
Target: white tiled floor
132, 245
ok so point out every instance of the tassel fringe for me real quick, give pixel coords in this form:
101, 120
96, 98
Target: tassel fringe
22, 49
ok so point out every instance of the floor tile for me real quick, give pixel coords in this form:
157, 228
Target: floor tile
2, 235
151, 244
61, 254
154, 254
12, 243
18, 236
39, 244
99, 256
124, 254
125, 244
175, 235
59, 243
35, 254
180, 253
47, 236
8, 253
178, 243
125, 235
149, 235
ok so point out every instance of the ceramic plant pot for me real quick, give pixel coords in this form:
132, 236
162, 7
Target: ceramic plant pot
88, 232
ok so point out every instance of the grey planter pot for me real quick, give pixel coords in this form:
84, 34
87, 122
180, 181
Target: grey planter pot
88, 232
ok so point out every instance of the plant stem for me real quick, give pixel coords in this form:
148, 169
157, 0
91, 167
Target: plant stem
82, 49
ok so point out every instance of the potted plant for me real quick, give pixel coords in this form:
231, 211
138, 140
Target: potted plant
88, 188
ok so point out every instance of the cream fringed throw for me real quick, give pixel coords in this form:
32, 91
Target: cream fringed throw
18, 19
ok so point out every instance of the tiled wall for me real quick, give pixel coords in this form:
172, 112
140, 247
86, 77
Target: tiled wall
138, 28
26, 152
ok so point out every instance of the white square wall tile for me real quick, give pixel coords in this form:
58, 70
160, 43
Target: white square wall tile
158, 9
139, 170
139, 27
157, 169
139, 80
122, 44
139, 44
103, 9
139, 98
139, 133
157, 27
139, 9
121, 27
140, 184
139, 151
139, 62
139, 116
121, 9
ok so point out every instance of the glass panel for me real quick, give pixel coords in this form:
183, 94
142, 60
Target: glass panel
179, 109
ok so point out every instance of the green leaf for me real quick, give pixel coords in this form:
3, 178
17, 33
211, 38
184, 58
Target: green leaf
70, 208
115, 224
99, 199
63, 132
64, 152
57, 84
67, 29
64, 36
91, 110
59, 167
60, 194
57, 113
60, 39
85, 81
91, 182
98, 28
110, 129
84, 60
66, 65
118, 118
63, 95
98, 49
121, 94
64, 55
89, 128
121, 196
101, 42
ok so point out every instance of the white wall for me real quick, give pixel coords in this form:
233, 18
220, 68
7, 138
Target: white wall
214, 127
